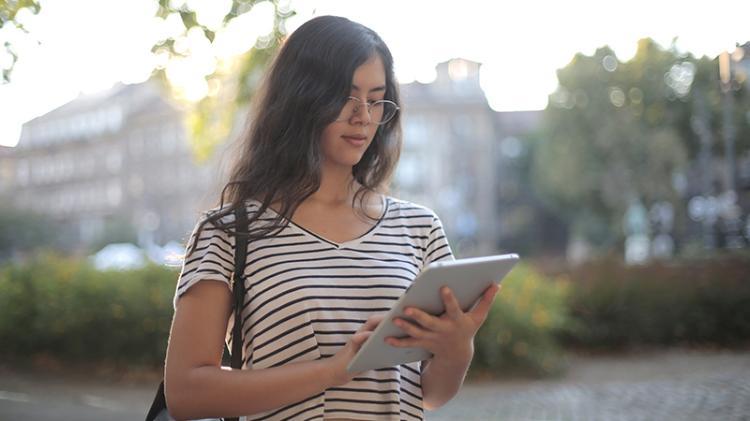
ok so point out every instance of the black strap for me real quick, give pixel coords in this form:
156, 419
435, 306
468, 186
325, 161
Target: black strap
238, 286
159, 404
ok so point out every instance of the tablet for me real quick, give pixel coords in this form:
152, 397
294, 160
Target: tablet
467, 278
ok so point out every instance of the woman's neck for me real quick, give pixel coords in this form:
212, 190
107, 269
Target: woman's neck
337, 187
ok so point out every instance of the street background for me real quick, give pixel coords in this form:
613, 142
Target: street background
671, 384
608, 146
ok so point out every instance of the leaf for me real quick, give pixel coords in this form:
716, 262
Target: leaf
210, 121
188, 18
210, 35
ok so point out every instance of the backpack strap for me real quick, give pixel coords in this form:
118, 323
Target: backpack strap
238, 286
240, 257
158, 409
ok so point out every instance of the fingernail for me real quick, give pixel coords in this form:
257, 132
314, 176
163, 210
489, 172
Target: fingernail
409, 312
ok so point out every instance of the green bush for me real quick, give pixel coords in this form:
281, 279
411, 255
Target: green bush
22, 232
521, 332
682, 302
64, 308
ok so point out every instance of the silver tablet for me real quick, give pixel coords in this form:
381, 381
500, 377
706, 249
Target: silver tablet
467, 278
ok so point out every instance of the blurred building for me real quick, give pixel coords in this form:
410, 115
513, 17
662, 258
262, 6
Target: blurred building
741, 63
457, 155
121, 158
107, 163
6, 159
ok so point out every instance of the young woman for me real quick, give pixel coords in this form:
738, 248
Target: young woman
329, 252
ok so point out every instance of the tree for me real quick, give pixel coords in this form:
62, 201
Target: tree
23, 232
616, 132
232, 84
211, 119
9, 10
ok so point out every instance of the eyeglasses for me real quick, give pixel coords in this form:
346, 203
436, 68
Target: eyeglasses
380, 112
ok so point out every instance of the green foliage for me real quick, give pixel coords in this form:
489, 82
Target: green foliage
210, 121
8, 11
692, 302
620, 131
23, 231
520, 333
115, 231
65, 308
10, 8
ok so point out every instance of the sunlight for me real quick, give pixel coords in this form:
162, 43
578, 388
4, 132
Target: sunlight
519, 48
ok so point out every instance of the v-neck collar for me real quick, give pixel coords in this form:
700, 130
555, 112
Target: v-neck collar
349, 243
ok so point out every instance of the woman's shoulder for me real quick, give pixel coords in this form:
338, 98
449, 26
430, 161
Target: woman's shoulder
224, 214
408, 208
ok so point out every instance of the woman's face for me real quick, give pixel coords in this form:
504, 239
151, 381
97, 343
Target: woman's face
345, 141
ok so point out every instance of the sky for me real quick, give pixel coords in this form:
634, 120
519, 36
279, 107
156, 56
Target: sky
76, 47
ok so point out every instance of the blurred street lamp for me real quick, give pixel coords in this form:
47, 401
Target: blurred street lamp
662, 219
637, 231
698, 206
732, 223
725, 75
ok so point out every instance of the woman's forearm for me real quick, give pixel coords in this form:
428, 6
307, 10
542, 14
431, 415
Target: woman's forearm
441, 381
210, 391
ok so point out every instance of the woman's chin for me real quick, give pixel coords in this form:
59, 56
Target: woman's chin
345, 161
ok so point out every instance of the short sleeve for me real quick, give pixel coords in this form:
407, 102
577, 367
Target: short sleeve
211, 259
437, 248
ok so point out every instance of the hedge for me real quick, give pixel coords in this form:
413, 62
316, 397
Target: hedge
63, 308
692, 302
66, 309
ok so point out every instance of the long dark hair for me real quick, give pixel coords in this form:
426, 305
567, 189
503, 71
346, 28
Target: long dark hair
303, 92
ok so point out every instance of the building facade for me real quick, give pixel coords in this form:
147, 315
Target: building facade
122, 159
458, 153
107, 161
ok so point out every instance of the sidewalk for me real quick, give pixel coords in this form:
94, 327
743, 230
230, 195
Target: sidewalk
664, 385
674, 385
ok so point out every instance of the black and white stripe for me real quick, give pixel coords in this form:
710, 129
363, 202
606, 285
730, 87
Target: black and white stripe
307, 295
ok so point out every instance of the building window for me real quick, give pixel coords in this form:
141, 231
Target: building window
416, 131
114, 194
22, 172
136, 143
461, 125
114, 161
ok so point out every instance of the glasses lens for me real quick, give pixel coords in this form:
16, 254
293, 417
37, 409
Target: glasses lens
387, 110
380, 112
350, 107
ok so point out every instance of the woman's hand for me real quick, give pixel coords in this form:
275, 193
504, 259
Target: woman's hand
450, 336
341, 360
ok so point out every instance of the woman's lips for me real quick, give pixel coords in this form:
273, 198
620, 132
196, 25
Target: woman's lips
355, 140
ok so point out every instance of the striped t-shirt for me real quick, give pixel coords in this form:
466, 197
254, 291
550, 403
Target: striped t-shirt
307, 295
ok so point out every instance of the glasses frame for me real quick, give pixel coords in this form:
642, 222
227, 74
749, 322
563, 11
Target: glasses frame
368, 107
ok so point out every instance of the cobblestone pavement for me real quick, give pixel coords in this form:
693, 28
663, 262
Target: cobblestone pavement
664, 385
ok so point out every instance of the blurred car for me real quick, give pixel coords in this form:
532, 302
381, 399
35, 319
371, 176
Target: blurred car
171, 254
125, 256
119, 256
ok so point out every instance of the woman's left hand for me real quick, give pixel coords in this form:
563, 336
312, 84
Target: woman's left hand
450, 336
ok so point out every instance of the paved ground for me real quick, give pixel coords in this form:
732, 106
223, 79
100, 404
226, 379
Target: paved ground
662, 386
667, 385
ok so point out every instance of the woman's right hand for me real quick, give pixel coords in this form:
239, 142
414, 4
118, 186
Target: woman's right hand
341, 359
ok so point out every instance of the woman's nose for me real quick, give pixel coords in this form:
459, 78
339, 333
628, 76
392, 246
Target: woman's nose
361, 114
